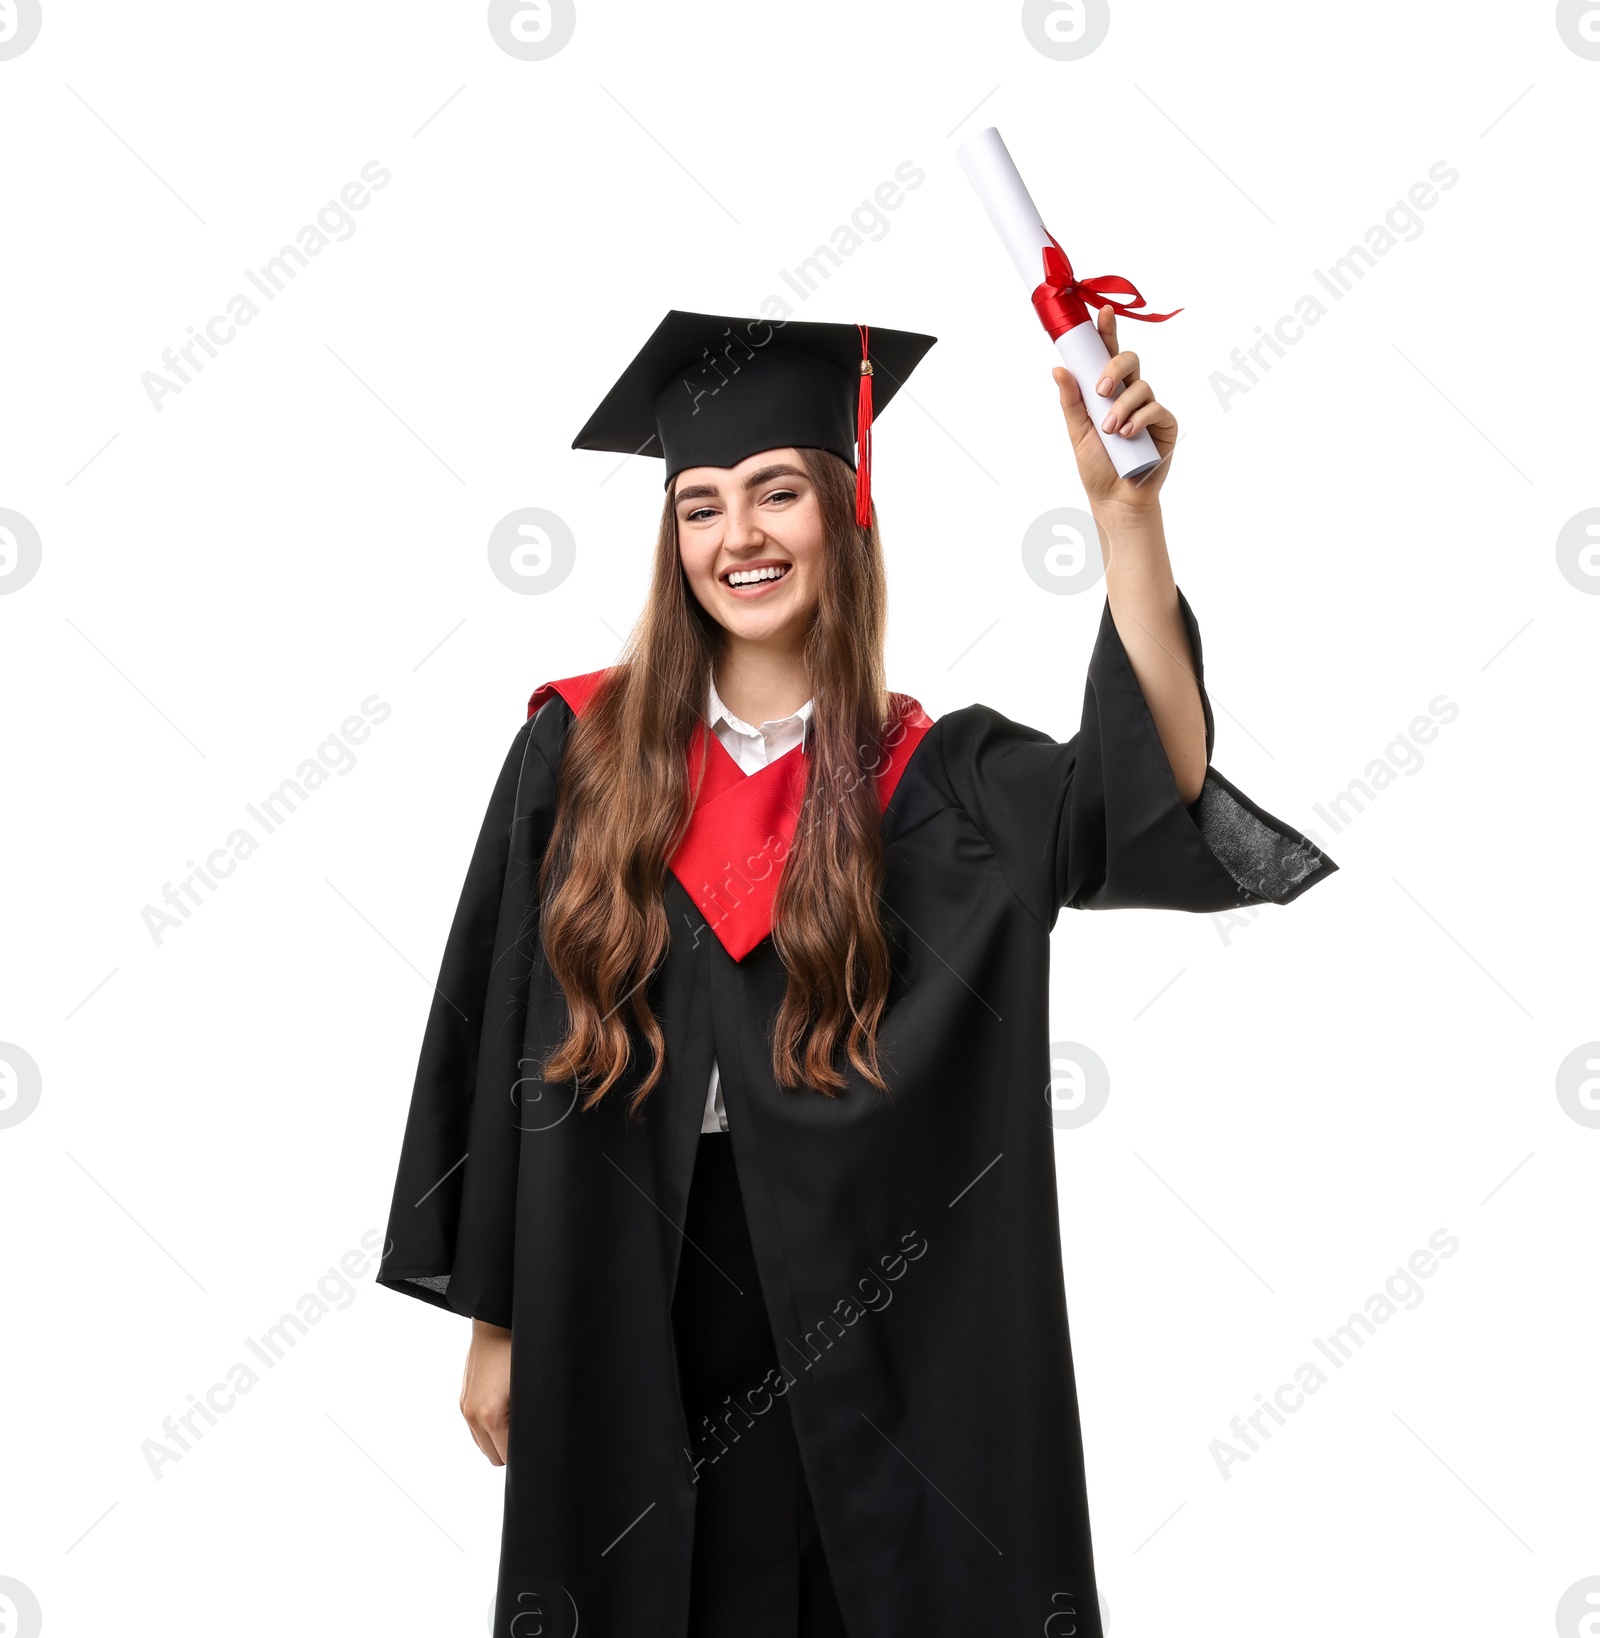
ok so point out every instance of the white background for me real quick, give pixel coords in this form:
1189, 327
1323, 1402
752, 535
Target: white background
1296, 1104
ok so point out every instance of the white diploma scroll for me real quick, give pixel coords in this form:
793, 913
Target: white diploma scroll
1016, 219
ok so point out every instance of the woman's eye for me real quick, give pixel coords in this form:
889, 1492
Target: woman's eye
698, 513
781, 494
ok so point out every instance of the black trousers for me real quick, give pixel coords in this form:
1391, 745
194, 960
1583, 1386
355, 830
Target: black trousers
759, 1569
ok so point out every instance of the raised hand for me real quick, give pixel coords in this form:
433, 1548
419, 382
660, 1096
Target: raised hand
1126, 405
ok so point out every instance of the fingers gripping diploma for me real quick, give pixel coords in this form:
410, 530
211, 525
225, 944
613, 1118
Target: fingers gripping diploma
1124, 405
486, 1389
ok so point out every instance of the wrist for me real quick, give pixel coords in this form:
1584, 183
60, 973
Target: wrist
1133, 542
1136, 525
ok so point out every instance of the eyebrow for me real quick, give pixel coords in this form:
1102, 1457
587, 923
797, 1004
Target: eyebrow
698, 490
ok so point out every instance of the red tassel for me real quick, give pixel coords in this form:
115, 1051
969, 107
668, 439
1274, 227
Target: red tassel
864, 437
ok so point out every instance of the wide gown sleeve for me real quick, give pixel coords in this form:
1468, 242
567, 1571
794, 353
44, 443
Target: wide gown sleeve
1097, 823
452, 1221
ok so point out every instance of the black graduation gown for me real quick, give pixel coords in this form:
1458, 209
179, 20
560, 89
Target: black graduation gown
908, 1245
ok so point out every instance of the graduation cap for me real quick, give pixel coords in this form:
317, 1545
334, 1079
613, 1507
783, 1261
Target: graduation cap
708, 390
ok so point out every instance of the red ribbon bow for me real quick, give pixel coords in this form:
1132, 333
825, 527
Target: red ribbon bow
1061, 301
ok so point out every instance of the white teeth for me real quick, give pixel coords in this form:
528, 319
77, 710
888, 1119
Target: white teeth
749, 577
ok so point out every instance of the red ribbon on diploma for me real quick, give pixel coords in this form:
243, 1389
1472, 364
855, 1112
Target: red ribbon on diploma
1062, 300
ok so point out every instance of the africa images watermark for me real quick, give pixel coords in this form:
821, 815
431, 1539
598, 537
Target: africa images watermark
334, 223
334, 1290
1402, 755
871, 1294
525, 547
1401, 1290
826, 789
868, 223
335, 756
1338, 280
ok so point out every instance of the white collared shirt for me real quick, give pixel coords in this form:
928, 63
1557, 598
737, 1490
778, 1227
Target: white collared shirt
752, 749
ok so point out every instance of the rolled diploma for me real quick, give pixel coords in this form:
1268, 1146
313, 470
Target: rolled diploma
1016, 219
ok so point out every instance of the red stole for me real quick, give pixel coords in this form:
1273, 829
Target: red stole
743, 824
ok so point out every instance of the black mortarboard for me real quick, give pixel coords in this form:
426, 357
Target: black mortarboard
708, 390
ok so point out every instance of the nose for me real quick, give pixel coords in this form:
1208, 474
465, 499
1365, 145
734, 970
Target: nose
744, 527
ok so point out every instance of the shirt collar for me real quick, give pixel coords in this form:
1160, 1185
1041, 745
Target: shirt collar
717, 711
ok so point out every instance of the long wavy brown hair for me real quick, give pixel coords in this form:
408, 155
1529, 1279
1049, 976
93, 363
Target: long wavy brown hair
623, 804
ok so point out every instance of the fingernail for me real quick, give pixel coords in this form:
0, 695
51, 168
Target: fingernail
1127, 431
1109, 424
1104, 388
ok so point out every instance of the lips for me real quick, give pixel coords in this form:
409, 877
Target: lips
754, 579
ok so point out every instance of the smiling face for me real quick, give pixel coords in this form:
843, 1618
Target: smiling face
751, 540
